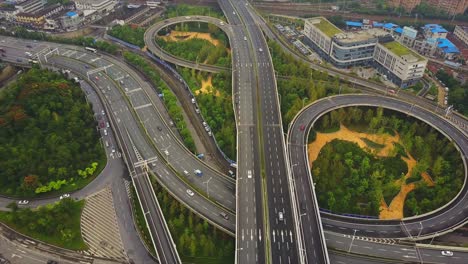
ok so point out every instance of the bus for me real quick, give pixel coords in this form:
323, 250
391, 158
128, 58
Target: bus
91, 49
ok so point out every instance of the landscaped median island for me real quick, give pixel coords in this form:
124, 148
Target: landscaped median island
57, 224
196, 41
376, 162
48, 138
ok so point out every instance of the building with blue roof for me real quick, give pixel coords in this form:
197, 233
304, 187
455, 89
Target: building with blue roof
399, 30
377, 24
353, 24
434, 31
447, 49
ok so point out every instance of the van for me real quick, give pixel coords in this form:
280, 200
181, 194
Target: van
107, 144
105, 132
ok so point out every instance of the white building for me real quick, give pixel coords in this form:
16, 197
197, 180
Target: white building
95, 8
401, 65
462, 33
30, 6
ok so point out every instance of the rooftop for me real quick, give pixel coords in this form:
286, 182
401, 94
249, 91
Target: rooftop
361, 35
447, 46
353, 24
400, 50
325, 26
435, 28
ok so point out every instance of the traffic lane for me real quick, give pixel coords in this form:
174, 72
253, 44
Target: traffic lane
388, 230
205, 207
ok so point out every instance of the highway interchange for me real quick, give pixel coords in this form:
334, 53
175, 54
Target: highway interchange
131, 111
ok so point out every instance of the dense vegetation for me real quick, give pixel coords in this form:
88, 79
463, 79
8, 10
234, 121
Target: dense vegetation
127, 33
169, 99
199, 50
21, 32
458, 93
57, 224
299, 85
48, 139
192, 10
435, 154
350, 180
197, 241
216, 107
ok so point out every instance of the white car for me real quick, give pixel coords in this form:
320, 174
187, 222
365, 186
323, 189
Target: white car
190, 192
280, 216
23, 202
249, 174
446, 253
66, 195
166, 152
260, 49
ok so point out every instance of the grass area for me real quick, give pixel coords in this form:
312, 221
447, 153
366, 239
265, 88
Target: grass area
327, 27
57, 224
400, 50
140, 222
372, 144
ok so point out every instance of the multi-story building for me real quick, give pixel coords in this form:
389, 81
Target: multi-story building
426, 47
451, 7
399, 64
343, 49
37, 19
408, 5
461, 32
434, 31
30, 6
8, 13
95, 6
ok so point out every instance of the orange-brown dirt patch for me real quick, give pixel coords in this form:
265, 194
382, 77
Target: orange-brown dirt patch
395, 209
207, 87
183, 35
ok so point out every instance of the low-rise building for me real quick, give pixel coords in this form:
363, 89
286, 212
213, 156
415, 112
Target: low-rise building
399, 64
434, 31
37, 19
8, 12
426, 47
446, 49
461, 32
71, 20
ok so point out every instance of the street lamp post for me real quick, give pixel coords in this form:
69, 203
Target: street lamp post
207, 188
351, 244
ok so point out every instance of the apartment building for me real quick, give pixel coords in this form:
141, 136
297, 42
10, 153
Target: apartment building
434, 31
461, 32
96, 6
399, 64
30, 6
451, 7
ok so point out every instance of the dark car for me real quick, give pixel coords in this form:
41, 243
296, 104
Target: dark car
52, 262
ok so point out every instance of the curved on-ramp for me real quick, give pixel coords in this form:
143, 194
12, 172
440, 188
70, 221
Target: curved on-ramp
156, 50
445, 219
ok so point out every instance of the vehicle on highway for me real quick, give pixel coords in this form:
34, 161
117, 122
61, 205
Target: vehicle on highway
103, 113
197, 110
204, 124
199, 173
107, 124
280, 216
187, 17
221, 23
28, 46
63, 196
159, 128
302, 127
201, 156
245, 38
86, 67
232, 173
52, 262
446, 253
113, 150
91, 49
224, 215
260, 49
105, 132
23, 202
19, 60
166, 152
186, 173
209, 133
193, 100
391, 91
190, 192
207, 128
107, 144
97, 78
249, 174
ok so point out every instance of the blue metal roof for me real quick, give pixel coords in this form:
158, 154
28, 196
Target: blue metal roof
71, 13
447, 46
435, 28
399, 30
353, 24
390, 25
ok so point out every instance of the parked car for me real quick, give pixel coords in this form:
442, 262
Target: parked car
190, 192
63, 196
23, 202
